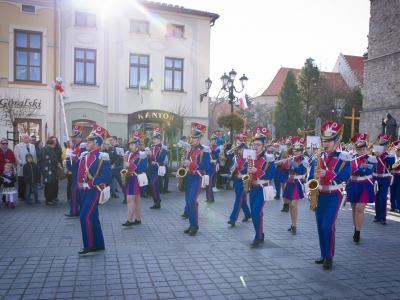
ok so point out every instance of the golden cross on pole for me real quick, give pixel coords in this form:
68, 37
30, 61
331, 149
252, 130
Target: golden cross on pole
352, 118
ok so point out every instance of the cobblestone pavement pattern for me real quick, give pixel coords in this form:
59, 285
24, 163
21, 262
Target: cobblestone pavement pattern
156, 260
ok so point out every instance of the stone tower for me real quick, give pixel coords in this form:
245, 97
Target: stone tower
382, 68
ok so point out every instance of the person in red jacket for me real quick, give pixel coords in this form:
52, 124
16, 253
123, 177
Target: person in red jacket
6, 157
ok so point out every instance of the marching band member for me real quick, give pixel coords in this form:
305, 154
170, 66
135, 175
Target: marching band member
93, 173
334, 170
360, 189
213, 168
382, 177
294, 186
157, 156
239, 168
284, 172
261, 171
395, 187
72, 154
196, 163
135, 163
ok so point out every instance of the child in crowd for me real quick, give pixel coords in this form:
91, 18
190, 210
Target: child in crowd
8, 179
32, 178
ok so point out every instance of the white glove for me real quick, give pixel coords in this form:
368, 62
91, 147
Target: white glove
70, 153
7, 180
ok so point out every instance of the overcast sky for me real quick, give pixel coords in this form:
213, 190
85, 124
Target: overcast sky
257, 37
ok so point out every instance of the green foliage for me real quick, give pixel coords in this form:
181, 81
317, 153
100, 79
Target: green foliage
228, 120
355, 100
287, 113
309, 84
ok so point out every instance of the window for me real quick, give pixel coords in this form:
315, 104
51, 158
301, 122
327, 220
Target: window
85, 66
138, 70
174, 74
139, 26
85, 19
175, 30
28, 8
28, 56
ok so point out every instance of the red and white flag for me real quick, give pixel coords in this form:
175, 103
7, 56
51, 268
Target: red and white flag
140, 97
243, 102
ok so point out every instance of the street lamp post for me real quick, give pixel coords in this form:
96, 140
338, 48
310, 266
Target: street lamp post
228, 86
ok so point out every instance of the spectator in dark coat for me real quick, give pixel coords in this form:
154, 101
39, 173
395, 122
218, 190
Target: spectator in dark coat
58, 152
50, 165
38, 148
32, 177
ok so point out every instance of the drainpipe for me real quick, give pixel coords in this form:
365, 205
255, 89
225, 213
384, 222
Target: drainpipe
55, 71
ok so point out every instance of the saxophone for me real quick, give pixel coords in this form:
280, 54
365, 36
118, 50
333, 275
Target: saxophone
313, 184
124, 171
247, 178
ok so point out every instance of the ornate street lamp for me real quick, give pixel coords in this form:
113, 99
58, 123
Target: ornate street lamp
228, 86
208, 83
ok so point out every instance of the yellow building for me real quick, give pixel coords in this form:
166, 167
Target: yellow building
28, 63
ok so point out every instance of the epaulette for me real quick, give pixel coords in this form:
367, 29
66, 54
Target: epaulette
344, 155
391, 154
83, 154
372, 159
82, 145
104, 156
142, 154
269, 157
206, 149
164, 147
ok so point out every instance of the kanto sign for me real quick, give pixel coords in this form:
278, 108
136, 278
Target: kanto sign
156, 116
26, 103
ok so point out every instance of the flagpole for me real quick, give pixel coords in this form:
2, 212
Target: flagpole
60, 89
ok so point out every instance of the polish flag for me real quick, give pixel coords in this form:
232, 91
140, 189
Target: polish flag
243, 102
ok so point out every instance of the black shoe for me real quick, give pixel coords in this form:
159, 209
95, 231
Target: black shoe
376, 220
162, 192
246, 219
167, 191
37, 202
356, 236
287, 207
209, 201
277, 197
91, 249
136, 222
284, 207
55, 200
193, 230
123, 202
127, 224
383, 222
116, 190
290, 228
320, 260
327, 263
50, 203
187, 230
114, 196
232, 223
392, 209
256, 243
397, 210
185, 216
71, 215
143, 195
294, 229
155, 206
229, 187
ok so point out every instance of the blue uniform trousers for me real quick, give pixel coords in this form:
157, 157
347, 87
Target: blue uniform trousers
154, 183
326, 215
75, 203
395, 193
90, 223
212, 173
192, 191
381, 198
256, 207
240, 201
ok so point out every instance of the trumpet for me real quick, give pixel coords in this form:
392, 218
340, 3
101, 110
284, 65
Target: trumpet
232, 150
286, 159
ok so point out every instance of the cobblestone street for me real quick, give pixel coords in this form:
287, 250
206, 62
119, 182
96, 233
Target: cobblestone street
156, 260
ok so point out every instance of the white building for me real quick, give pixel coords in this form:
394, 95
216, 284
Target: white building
106, 50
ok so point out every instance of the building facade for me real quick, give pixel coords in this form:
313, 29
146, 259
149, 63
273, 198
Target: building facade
124, 64
381, 88
28, 63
